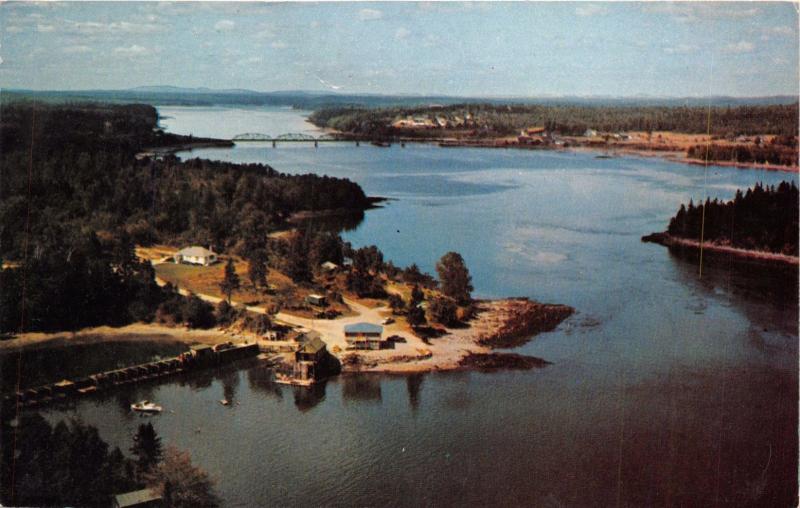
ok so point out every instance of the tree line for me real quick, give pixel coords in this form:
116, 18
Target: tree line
781, 150
503, 120
762, 218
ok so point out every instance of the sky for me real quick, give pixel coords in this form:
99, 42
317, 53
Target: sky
466, 49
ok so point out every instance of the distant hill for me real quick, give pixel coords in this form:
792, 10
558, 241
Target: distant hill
173, 95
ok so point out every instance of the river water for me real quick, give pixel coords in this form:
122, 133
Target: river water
666, 388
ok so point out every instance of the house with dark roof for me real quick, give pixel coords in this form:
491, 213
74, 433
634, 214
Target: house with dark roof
309, 358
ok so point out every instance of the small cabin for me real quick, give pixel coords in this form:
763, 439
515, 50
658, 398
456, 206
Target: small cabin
195, 255
312, 350
308, 358
318, 300
364, 336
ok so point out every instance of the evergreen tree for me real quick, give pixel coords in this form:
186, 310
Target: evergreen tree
416, 316
257, 269
146, 447
231, 282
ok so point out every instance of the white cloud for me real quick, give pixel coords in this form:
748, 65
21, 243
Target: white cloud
589, 10
77, 49
782, 30
13, 29
739, 47
94, 27
224, 25
314, 24
369, 14
264, 33
134, 50
693, 12
680, 49
279, 45
45, 28
250, 61
402, 33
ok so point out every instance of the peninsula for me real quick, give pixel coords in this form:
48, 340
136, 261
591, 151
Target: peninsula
759, 224
763, 136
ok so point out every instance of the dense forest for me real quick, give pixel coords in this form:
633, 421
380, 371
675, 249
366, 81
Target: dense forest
74, 199
763, 218
502, 120
69, 464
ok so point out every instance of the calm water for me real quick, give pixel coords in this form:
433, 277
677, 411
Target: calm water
665, 388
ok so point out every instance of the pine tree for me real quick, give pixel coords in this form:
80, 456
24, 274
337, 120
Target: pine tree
146, 447
231, 281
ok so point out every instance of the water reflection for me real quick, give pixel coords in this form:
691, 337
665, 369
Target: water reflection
413, 386
765, 292
262, 380
230, 382
335, 222
308, 397
361, 387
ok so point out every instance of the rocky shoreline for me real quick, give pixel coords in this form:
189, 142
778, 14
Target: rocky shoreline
498, 324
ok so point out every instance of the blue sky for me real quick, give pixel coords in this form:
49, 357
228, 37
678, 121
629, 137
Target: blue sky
496, 49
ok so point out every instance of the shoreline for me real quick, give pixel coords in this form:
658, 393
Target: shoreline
613, 150
668, 240
498, 325
474, 347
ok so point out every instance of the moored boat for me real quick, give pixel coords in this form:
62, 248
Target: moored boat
146, 406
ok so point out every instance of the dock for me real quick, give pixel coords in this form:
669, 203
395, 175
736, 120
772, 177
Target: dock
197, 358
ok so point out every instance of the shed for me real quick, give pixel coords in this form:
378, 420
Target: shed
317, 300
145, 498
195, 255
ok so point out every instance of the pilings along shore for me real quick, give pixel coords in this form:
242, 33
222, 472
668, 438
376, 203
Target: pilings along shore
197, 358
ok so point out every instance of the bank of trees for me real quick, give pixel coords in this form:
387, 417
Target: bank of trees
761, 218
74, 200
69, 464
781, 151
500, 120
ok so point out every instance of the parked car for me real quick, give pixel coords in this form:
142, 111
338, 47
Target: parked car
387, 321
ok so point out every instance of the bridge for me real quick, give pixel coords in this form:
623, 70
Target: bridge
290, 137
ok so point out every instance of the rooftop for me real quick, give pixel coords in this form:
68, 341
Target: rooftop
313, 345
196, 251
137, 497
363, 328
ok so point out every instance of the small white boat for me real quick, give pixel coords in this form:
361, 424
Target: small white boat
146, 406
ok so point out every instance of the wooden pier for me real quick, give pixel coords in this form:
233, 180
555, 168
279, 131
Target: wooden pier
199, 357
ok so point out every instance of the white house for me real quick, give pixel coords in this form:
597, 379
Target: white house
195, 255
590, 133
